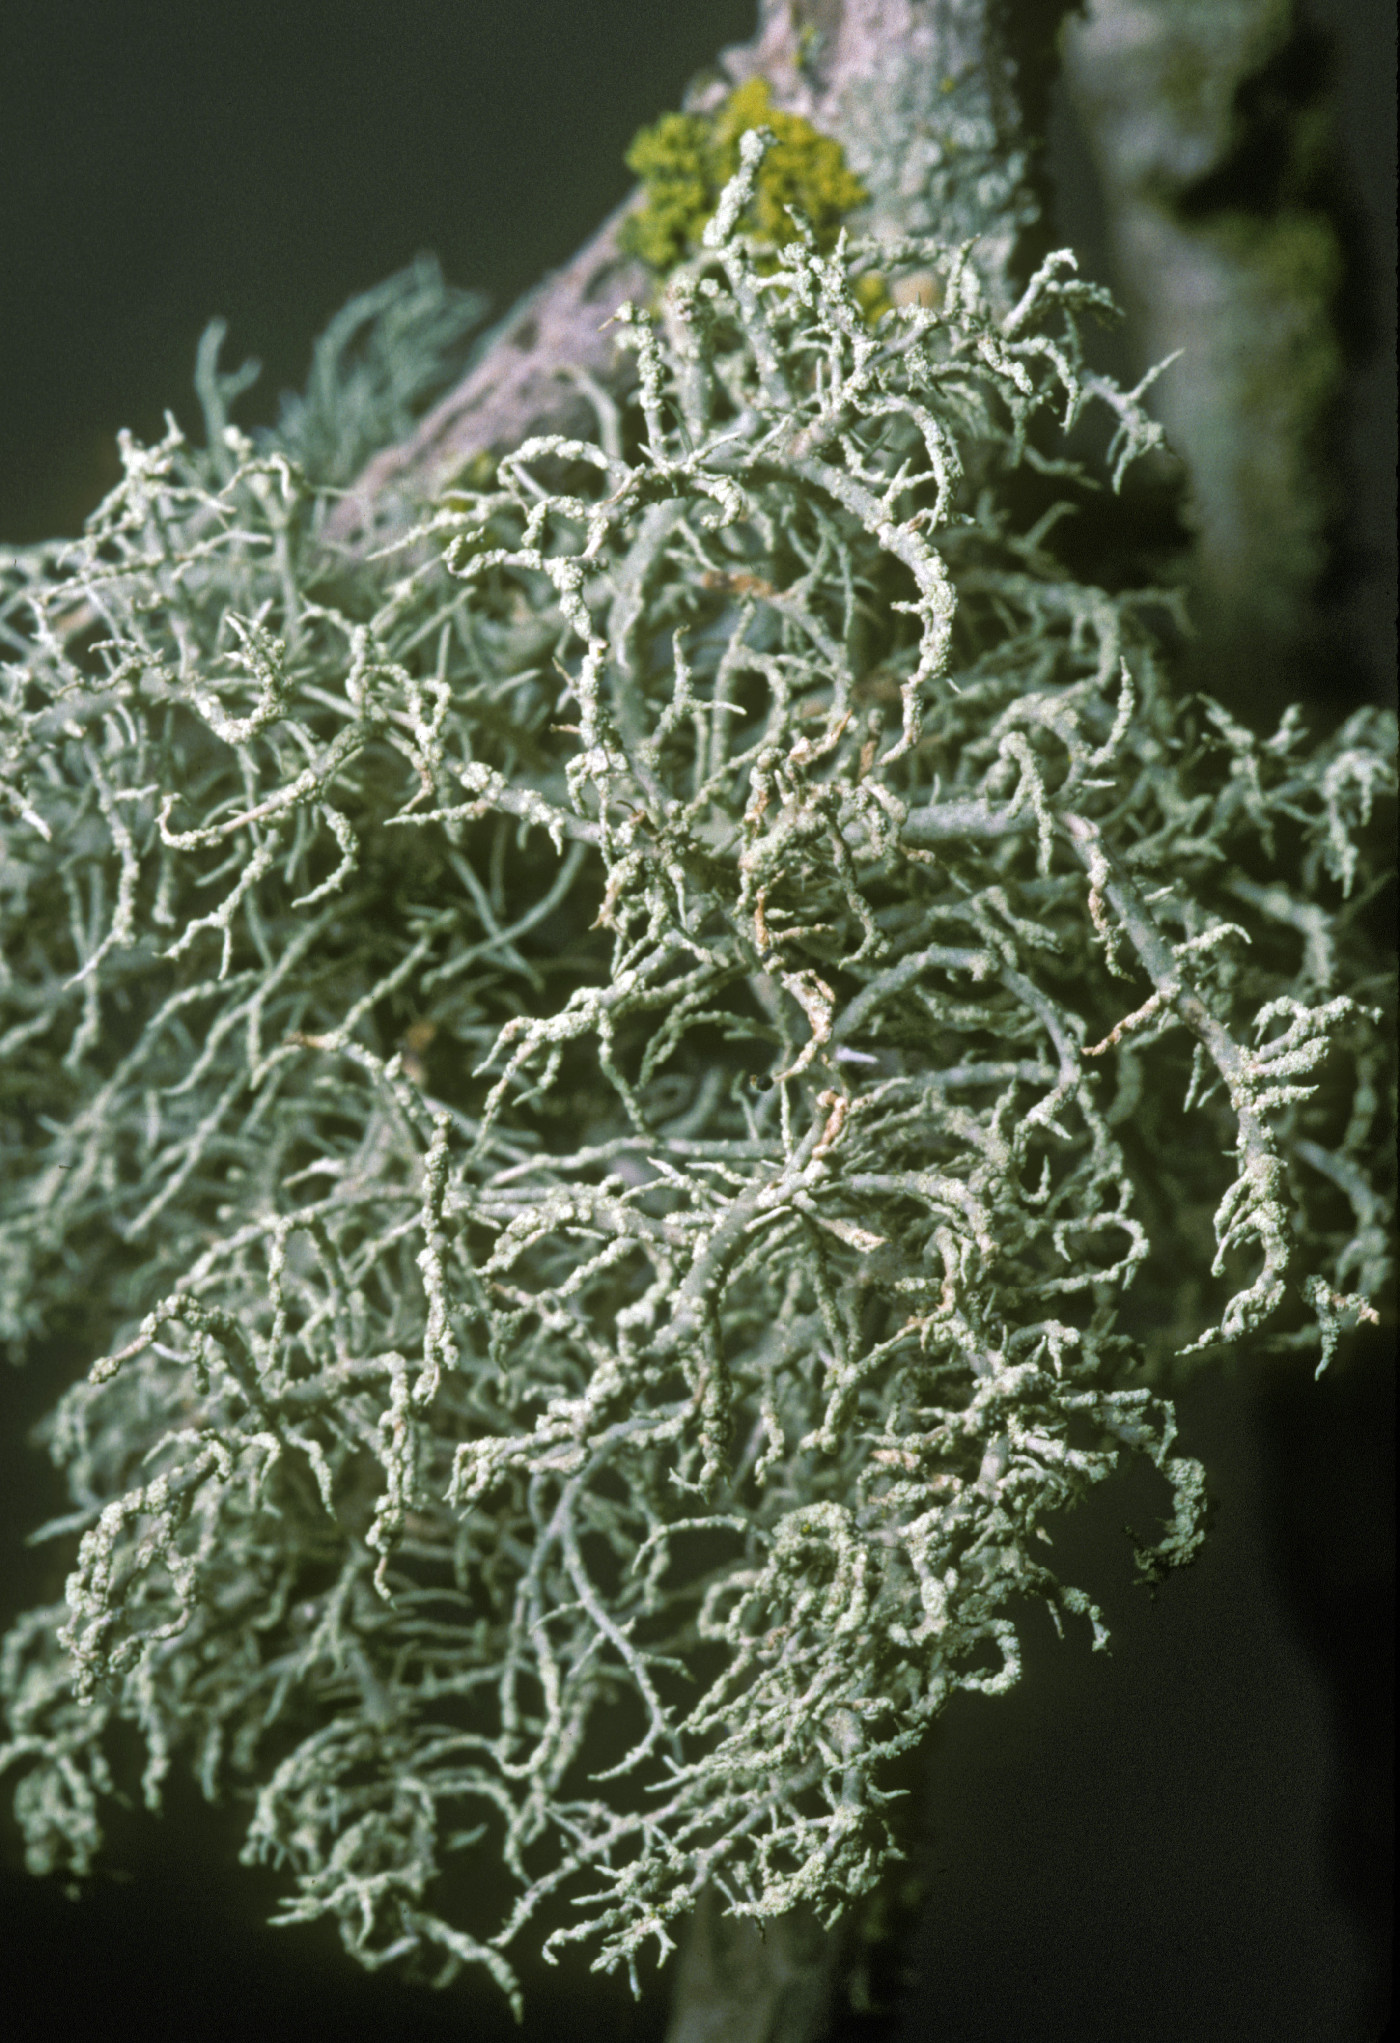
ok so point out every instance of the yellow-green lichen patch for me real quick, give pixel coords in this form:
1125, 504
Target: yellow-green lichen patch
685, 160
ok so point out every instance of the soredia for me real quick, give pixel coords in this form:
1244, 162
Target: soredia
633, 1097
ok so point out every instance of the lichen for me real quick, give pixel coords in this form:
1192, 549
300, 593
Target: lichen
685, 161
625, 1114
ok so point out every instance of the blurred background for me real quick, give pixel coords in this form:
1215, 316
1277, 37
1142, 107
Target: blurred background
1189, 1837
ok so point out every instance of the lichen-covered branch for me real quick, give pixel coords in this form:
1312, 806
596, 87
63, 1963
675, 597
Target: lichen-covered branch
625, 1111
921, 96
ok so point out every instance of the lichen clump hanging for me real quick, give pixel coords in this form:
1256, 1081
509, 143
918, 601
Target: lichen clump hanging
629, 1114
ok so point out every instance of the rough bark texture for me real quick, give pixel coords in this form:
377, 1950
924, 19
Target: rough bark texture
921, 94
733, 1987
1208, 123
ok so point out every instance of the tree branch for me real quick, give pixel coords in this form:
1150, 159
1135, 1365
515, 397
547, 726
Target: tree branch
922, 96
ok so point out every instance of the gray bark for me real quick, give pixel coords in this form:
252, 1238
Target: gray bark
1243, 286
922, 95
734, 1985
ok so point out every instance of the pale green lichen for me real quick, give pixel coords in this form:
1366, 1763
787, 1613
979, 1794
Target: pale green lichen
626, 1111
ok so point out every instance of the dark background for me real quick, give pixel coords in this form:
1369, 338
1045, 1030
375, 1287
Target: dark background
1188, 1838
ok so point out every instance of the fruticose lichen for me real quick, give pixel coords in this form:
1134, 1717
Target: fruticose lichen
630, 1109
